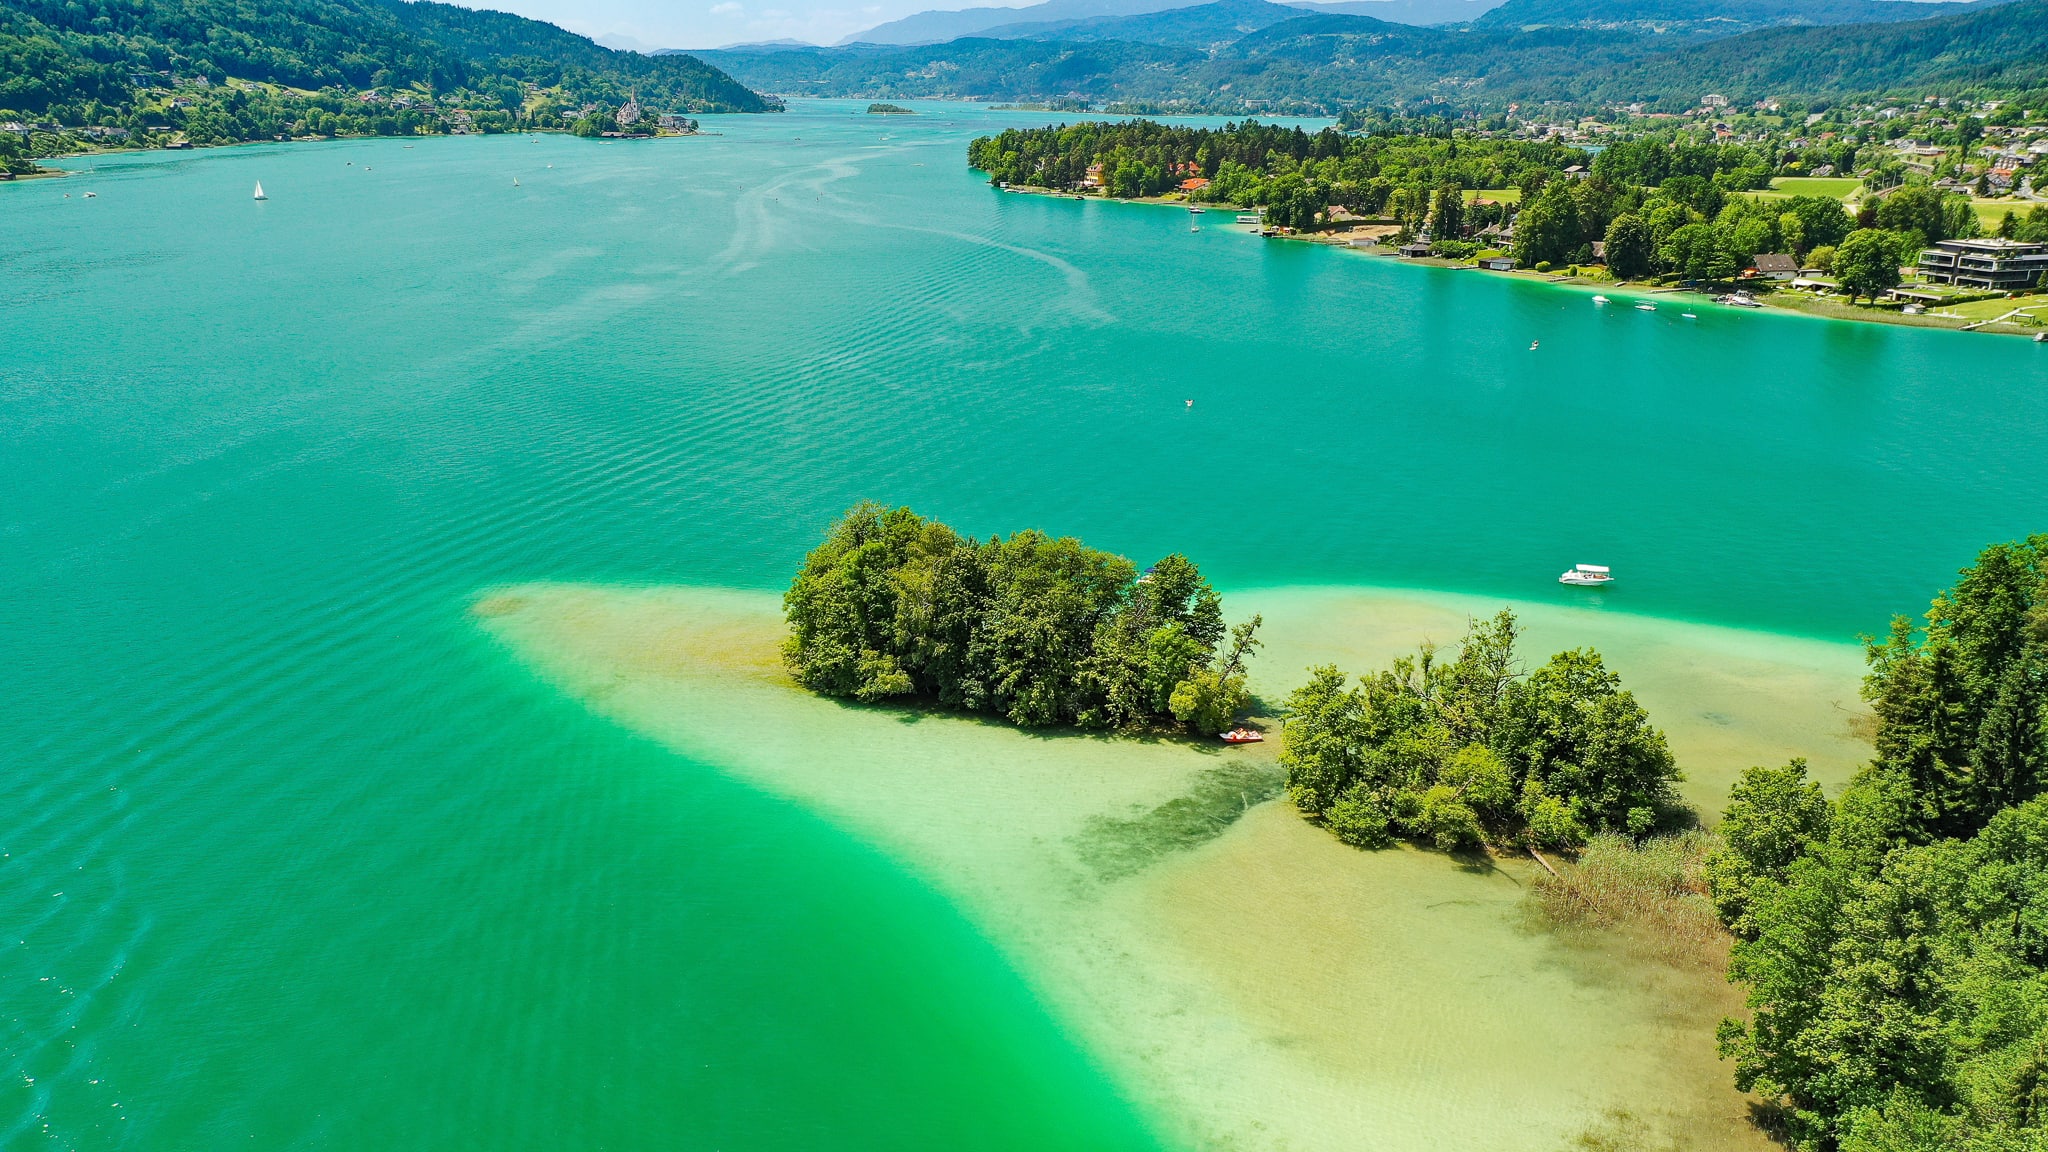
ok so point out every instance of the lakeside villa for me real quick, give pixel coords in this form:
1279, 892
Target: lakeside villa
1987, 263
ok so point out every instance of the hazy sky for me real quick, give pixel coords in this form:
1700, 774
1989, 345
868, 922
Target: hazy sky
650, 24
645, 24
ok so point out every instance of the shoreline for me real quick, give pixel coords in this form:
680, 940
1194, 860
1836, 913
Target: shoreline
1822, 308
1265, 987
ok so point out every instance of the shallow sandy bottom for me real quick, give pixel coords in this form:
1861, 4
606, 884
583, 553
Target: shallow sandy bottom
1269, 988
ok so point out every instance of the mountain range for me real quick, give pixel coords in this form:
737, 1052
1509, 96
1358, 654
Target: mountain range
1016, 23
1254, 55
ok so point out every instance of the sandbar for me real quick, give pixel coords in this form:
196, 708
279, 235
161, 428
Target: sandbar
1262, 987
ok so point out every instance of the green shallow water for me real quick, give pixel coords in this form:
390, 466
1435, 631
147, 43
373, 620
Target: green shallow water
296, 857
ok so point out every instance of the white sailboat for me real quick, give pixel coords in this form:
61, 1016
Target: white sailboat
515, 181
259, 191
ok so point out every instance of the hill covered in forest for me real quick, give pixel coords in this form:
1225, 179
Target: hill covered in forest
250, 69
1666, 54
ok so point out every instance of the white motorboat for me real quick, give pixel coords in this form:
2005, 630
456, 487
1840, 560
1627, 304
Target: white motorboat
259, 191
1248, 218
1587, 575
1599, 299
1646, 307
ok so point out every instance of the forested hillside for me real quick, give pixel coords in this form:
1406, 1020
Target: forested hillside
1574, 51
240, 70
2003, 48
1712, 18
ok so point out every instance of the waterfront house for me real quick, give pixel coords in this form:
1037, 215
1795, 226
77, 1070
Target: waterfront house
1498, 263
1775, 266
1413, 249
1987, 263
1194, 184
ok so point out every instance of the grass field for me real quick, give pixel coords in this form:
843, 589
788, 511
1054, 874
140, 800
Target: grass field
1977, 310
1837, 186
1502, 195
1991, 212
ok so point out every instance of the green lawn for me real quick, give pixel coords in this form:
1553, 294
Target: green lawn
1838, 187
1976, 310
1991, 213
1502, 195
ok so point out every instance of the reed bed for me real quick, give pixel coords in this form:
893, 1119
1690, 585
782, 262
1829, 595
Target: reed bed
1652, 896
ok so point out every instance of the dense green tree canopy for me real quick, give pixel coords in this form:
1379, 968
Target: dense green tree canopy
1034, 629
1467, 751
220, 70
1895, 943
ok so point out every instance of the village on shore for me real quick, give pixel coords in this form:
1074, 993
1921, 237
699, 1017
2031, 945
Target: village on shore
1932, 214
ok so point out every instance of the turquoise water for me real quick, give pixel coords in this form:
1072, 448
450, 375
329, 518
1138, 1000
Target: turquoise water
297, 858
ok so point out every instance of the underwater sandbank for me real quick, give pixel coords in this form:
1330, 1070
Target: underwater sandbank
1250, 982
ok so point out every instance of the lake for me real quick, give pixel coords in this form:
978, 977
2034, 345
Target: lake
302, 856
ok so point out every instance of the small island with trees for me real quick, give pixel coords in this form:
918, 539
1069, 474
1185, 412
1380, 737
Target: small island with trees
1033, 630
890, 110
1472, 752
1039, 631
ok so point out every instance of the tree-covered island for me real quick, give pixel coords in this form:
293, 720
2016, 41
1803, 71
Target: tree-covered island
1472, 751
1034, 630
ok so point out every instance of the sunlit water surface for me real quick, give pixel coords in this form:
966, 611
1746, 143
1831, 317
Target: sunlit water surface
298, 855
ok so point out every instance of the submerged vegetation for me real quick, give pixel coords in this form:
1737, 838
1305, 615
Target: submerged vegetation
1120, 847
1035, 630
1471, 751
1895, 941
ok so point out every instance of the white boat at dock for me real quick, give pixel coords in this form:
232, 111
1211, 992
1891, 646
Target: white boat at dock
1741, 300
1248, 218
1587, 576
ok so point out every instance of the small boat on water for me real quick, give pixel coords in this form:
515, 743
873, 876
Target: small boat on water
259, 192
1646, 307
1248, 218
1598, 300
1689, 315
2041, 337
1196, 211
1242, 736
1587, 576
515, 181
92, 195
1741, 300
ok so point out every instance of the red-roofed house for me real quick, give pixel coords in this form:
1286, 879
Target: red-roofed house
1194, 184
